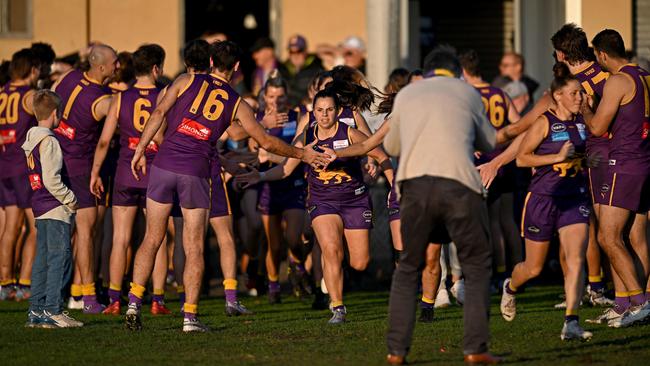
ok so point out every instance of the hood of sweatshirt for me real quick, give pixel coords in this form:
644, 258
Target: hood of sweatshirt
34, 136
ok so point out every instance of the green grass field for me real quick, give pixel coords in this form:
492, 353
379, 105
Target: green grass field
292, 333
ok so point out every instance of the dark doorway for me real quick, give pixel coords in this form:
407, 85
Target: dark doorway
465, 24
229, 17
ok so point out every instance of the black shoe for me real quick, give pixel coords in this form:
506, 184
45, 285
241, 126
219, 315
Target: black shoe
274, 298
426, 315
321, 301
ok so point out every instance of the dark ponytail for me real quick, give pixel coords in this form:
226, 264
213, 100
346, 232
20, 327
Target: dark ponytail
561, 77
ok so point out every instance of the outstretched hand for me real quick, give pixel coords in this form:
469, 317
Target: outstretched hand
317, 159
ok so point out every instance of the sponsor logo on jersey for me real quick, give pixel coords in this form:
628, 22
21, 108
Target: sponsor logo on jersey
359, 191
340, 144
311, 209
604, 188
584, 211
35, 181
612, 162
66, 130
194, 129
560, 136
533, 229
393, 211
8, 136
645, 130
289, 129
558, 127
582, 130
367, 214
134, 141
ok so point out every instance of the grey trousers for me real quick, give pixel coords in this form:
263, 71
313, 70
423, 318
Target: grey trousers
439, 210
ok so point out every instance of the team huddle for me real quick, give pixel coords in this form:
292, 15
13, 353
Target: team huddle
190, 152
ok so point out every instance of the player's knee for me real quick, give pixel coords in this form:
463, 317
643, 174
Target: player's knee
534, 270
359, 264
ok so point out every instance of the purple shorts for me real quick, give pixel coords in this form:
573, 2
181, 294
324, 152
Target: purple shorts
628, 191
169, 187
544, 215
219, 201
129, 196
273, 200
598, 176
393, 205
16, 191
355, 213
80, 186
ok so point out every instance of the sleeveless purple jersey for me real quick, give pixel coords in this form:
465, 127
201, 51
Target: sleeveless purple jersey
567, 178
135, 105
79, 129
42, 200
201, 114
592, 78
15, 121
346, 115
629, 148
496, 108
343, 178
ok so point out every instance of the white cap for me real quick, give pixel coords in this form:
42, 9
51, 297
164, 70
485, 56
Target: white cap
515, 89
354, 43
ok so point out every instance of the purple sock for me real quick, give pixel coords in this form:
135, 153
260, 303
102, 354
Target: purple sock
568, 318
134, 299
114, 295
158, 298
274, 286
622, 304
231, 295
637, 299
77, 298
190, 316
596, 286
425, 305
89, 299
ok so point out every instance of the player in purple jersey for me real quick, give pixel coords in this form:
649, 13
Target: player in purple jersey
624, 112
284, 200
501, 113
198, 108
86, 101
130, 110
557, 199
572, 48
338, 201
16, 118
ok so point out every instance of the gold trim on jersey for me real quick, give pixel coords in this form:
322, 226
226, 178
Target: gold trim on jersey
584, 68
60, 79
443, 72
187, 86
631, 98
611, 192
523, 214
94, 105
91, 79
234, 110
23, 103
119, 104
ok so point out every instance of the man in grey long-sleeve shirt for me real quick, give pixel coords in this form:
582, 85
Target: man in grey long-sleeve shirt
436, 125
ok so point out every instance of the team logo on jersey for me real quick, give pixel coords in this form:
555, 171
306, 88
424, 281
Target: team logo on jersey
560, 136
533, 229
35, 181
558, 127
8, 136
367, 214
66, 130
582, 130
584, 211
333, 176
340, 144
194, 129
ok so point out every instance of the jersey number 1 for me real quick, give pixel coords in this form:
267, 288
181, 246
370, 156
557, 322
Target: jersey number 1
213, 107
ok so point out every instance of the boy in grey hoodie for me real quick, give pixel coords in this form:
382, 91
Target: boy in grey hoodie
54, 205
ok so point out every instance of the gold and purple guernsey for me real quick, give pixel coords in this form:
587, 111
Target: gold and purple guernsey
339, 189
79, 130
628, 185
557, 195
593, 78
135, 105
288, 193
201, 114
15, 121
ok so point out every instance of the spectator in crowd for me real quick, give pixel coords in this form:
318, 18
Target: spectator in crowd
263, 52
518, 93
511, 68
301, 68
